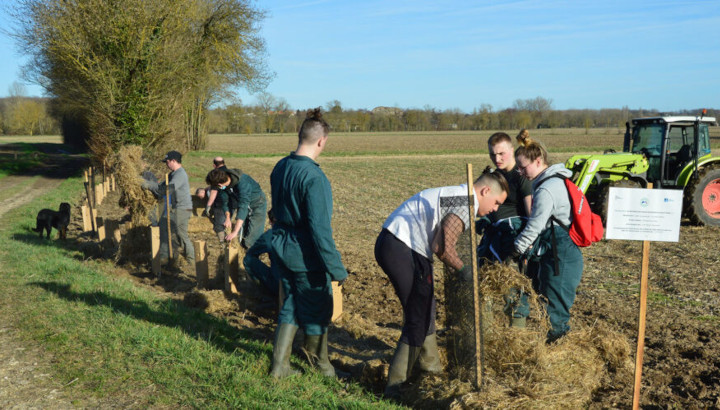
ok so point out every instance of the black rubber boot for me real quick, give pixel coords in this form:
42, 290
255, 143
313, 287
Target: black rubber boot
429, 360
400, 369
317, 352
282, 348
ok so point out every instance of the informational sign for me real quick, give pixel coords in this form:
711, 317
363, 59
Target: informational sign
644, 214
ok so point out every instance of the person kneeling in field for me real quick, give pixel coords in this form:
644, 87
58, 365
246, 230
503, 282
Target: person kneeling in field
240, 194
404, 250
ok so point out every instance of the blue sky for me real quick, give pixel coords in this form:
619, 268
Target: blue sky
461, 54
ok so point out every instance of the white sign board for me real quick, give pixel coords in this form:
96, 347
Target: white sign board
644, 214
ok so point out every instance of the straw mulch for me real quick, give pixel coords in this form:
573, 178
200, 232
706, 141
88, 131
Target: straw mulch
521, 370
127, 165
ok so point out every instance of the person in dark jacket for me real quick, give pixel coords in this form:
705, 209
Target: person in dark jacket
303, 251
241, 195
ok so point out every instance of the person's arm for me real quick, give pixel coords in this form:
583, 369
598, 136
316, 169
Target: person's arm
236, 231
528, 205
211, 198
541, 212
445, 240
318, 203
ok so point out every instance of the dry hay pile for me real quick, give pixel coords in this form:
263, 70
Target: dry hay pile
127, 165
521, 370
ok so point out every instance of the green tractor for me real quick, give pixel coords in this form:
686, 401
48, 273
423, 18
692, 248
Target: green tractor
669, 152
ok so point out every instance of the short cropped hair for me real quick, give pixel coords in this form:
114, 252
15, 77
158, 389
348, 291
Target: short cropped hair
313, 128
499, 137
494, 180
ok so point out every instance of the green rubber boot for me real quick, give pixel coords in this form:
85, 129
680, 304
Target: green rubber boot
400, 369
317, 352
282, 348
429, 358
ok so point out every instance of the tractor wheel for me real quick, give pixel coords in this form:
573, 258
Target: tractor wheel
703, 197
602, 203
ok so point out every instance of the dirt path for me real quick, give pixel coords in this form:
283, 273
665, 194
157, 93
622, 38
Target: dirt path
26, 381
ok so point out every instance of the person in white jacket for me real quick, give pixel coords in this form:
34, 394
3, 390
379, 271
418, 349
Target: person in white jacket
555, 263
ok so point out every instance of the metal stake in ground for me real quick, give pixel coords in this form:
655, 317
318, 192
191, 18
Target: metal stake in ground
167, 215
479, 332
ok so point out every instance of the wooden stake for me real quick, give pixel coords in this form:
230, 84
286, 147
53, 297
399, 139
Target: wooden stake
86, 219
155, 249
101, 229
112, 229
641, 319
479, 331
231, 269
337, 301
167, 214
201, 264
98, 194
90, 206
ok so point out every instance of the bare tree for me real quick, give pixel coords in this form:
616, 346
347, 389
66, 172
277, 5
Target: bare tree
140, 72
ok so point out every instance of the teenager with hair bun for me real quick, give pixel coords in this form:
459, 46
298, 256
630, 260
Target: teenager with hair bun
555, 263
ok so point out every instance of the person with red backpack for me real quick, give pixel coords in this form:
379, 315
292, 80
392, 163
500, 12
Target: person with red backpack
554, 261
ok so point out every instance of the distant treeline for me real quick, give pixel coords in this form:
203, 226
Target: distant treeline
532, 113
33, 115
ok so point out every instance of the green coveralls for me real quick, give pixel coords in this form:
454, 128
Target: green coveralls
245, 195
303, 253
557, 285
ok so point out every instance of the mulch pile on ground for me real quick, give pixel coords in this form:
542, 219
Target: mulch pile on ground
521, 370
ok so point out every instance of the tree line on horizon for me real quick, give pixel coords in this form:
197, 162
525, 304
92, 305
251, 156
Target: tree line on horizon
20, 115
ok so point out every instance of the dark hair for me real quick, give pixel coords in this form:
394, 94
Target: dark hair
218, 163
530, 148
495, 180
216, 177
499, 137
314, 127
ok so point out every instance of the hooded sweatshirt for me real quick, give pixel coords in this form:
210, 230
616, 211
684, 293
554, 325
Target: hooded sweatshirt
549, 199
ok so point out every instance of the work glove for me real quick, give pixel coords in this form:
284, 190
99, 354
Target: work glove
465, 273
206, 212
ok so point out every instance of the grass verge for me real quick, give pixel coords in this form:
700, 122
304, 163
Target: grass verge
111, 340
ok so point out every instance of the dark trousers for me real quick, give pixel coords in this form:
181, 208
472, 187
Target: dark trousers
411, 274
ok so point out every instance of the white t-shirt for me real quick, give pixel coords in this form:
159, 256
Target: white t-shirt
416, 221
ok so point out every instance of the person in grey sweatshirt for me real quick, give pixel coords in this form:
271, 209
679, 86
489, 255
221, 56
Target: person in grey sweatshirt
555, 263
180, 209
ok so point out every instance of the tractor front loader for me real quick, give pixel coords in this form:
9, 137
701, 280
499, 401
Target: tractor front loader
671, 152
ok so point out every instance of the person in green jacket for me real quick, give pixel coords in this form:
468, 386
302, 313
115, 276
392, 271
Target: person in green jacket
303, 252
238, 192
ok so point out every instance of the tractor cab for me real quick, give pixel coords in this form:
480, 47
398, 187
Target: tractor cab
673, 146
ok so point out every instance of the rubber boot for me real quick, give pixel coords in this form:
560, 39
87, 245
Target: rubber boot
429, 359
400, 369
317, 352
221, 236
282, 348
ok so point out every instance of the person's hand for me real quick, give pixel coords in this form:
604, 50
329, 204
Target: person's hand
465, 273
229, 237
228, 223
206, 212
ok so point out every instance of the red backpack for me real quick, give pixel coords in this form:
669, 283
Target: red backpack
585, 225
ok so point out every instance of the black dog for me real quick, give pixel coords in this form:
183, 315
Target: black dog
48, 219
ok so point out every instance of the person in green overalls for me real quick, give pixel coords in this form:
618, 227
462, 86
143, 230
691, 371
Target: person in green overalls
303, 253
555, 263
